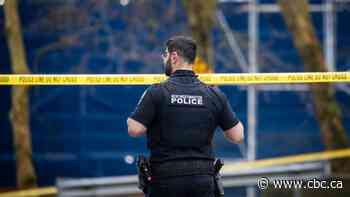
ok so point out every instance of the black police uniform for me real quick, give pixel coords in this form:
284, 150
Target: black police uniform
181, 115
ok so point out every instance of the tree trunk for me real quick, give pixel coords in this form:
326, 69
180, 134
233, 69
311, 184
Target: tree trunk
19, 114
201, 17
327, 110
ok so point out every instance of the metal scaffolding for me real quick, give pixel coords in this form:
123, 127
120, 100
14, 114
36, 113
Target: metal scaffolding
254, 9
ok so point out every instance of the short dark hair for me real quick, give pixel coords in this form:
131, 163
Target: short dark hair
186, 47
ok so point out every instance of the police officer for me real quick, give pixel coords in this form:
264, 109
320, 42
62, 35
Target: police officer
179, 117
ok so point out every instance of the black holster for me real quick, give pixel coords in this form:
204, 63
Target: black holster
219, 188
144, 173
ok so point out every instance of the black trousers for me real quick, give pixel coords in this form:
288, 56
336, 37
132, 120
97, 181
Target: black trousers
184, 186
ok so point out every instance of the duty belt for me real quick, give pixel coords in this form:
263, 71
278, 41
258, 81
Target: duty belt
181, 168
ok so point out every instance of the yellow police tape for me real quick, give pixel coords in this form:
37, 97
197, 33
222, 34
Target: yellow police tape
31, 192
146, 79
326, 155
228, 168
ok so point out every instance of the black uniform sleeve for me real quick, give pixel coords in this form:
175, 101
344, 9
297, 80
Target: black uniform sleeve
145, 109
227, 117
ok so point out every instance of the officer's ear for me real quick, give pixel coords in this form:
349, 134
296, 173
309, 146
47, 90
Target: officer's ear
174, 56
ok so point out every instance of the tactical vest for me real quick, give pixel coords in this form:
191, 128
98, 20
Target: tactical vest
187, 119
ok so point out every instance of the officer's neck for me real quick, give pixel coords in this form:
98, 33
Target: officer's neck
184, 66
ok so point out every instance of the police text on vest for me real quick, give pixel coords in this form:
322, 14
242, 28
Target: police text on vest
186, 99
